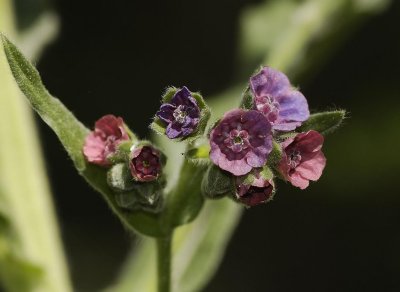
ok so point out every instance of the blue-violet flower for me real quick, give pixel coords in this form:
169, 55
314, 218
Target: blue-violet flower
181, 114
285, 107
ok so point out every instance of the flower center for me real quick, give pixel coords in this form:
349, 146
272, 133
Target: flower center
180, 114
237, 140
269, 107
110, 144
294, 159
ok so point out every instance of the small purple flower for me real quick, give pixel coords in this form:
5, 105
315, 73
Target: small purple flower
258, 192
181, 114
109, 132
241, 140
302, 159
145, 163
285, 107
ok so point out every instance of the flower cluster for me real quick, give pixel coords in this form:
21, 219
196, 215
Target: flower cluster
242, 141
112, 143
272, 135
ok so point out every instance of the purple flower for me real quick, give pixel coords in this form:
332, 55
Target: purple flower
258, 192
109, 132
145, 163
302, 159
241, 140
285, 107
181, 114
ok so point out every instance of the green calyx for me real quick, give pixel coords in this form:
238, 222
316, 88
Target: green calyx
217, 183
247, 101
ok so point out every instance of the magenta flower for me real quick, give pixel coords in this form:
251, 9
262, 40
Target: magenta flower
258, 192
145, 163
302, 159
285, 107
240, 141
181, 114
109, 132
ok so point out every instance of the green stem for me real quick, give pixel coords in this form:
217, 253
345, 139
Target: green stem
164, 255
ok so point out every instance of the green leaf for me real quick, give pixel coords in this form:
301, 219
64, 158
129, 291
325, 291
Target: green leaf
325, 122
72, 135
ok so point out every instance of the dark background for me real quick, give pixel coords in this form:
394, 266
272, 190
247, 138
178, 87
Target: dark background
342, 234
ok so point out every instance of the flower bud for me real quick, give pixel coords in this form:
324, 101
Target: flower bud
217, 183
143, 196
145, 162
119, 178
255, 188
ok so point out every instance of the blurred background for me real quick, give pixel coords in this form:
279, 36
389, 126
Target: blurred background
341, 234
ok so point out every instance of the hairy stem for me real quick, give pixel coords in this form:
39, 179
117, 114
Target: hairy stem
164, 255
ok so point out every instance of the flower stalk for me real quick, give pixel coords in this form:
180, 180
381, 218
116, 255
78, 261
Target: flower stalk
164, 259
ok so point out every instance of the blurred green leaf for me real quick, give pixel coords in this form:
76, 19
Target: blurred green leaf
200, 246
324, 122
17, 274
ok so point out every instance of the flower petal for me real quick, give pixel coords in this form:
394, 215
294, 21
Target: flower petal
269, 82
184, 97
166, 113
298, 181
310, 141
173, 130
293, 106
312, 169
93, 149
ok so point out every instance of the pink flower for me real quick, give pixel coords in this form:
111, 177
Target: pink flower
145, 163
302, 159
109, 132
259, 191
241, 141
